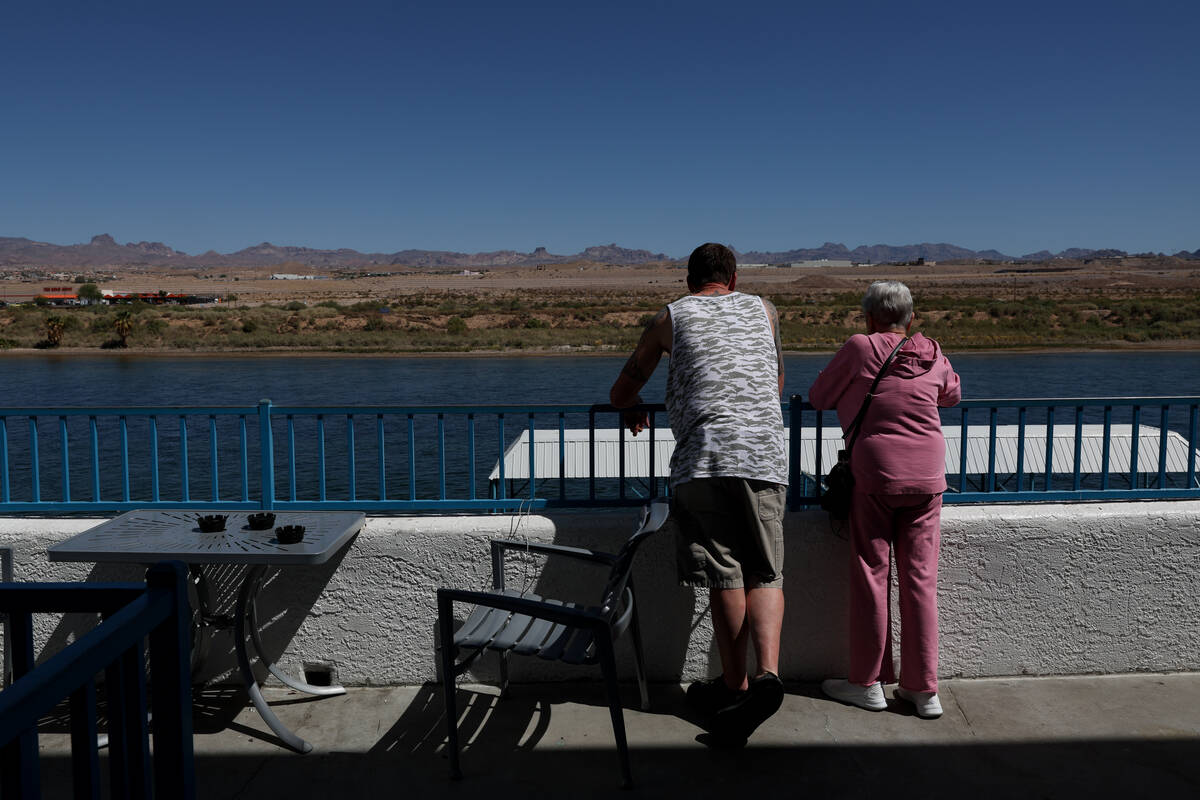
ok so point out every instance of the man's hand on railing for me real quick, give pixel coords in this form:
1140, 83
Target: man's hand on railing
635, 420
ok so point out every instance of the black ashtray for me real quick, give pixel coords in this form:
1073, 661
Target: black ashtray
260, 522
212, 523
289, 534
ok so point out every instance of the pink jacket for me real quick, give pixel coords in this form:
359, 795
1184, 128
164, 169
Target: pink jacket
900, 449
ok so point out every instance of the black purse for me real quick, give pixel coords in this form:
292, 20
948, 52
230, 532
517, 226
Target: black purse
839, 483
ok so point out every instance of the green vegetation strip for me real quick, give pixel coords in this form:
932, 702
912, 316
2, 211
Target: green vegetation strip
449, 322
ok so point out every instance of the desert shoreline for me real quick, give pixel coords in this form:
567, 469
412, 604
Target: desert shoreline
1136, 304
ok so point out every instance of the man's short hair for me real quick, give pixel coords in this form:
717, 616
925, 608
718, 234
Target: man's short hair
711, 263
888, 303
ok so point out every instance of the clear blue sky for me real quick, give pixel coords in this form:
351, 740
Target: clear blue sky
1018, 126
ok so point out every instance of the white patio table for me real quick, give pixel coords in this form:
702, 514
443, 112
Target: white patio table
149, 536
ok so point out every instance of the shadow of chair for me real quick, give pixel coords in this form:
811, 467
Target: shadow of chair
508, 621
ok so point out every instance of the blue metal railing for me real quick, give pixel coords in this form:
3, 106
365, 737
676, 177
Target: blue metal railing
435, 458
1021, 450
132, 612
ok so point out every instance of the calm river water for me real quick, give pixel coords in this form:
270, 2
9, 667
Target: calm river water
303, 380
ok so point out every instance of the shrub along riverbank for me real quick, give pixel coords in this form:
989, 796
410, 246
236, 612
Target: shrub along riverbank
461, 322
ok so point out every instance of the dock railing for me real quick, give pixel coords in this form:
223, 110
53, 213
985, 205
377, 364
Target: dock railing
480, 458
132, 614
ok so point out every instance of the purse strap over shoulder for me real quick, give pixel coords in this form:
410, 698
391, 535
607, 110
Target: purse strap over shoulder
853, 430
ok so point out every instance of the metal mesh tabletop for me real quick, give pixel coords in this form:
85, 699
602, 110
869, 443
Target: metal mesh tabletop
147, 536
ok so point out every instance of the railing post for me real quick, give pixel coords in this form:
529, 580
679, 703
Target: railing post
1021, 419
793, 499
381, 445
592, 453
650, 465
185, 493
21, 776
124, 427
818, 446
964, 440
351, 463
4, 498
562, 456
1163, 431
993, 419
266, 455
1191, 461
35, 478
1107, 449
66, 460
1076, 480
620, 455
532, 463
154, 493
170, 645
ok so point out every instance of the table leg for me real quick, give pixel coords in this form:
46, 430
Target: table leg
295, 683
246, 598
202, 618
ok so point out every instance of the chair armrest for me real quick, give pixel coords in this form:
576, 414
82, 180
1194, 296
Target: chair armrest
554, 549
499, 546
565, 615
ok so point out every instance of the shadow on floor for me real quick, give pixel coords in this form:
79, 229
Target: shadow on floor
510, 749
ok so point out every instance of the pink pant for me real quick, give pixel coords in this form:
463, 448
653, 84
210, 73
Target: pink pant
912, 524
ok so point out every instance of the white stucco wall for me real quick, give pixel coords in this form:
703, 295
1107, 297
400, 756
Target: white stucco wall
1031, 589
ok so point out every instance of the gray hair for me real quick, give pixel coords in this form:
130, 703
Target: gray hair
888, 303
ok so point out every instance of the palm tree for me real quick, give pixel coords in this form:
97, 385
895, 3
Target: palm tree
54, 330
123, 325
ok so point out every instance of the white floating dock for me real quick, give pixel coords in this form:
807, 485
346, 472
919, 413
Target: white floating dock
573, 457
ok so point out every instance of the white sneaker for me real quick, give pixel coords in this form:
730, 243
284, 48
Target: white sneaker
926, 703
869, 697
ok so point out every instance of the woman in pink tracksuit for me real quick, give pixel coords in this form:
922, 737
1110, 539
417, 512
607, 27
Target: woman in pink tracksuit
898, 462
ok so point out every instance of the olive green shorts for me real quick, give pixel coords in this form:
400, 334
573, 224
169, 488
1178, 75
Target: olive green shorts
730, 532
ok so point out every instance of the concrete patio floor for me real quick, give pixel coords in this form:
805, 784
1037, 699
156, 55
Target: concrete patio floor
1094, 736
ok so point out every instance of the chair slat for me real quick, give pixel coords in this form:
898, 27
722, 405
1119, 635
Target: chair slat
535, 635
556, 642
493, 621
477, 617
513, 631
483, 624
563, 638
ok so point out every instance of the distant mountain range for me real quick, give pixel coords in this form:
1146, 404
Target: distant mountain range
885, 253
104, 251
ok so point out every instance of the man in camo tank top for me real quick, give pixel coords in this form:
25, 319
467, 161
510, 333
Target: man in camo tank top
729, 475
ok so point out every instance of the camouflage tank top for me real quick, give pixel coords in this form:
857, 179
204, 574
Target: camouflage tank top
723, 390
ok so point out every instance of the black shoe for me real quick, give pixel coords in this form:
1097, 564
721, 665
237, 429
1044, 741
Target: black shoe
708, 697
735, 722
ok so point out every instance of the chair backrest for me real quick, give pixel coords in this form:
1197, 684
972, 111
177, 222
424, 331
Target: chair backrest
653, 518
